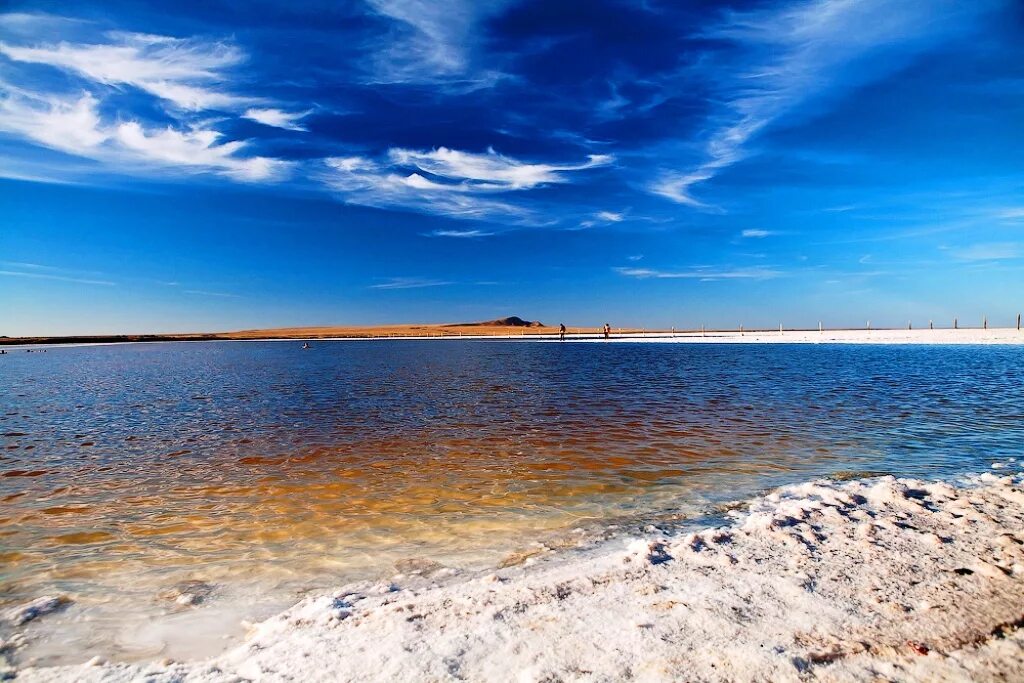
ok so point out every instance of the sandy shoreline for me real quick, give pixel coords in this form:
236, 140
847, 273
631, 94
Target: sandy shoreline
868, 579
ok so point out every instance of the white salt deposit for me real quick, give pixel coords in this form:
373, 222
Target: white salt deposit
22, 614
999, 336
859, 581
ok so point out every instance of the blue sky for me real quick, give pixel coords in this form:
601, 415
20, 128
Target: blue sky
219, 165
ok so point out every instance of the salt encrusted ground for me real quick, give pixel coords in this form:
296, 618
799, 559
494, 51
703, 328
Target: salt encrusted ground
866, 336
880, 579
942, 336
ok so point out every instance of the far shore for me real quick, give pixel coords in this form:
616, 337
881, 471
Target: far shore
547, 333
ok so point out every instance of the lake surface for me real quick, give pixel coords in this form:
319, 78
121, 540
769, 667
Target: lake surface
248, 473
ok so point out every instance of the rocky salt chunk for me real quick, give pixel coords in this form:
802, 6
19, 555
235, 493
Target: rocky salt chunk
189, 593
22, 614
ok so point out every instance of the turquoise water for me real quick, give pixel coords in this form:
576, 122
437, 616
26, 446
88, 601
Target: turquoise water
256, 467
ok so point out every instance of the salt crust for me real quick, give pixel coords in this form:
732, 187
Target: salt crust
874, 579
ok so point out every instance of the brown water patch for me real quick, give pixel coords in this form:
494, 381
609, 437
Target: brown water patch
67, 510
260, 460
83, 538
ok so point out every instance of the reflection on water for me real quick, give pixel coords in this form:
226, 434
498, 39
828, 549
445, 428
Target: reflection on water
127, 470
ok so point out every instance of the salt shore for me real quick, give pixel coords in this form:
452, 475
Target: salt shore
944, 336
941, 336
874, 579
925, 336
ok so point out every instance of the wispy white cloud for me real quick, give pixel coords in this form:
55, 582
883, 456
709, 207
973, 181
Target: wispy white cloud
601, 217
1012, 213
68, 125
27, 170
24, 265
990, 251
34, 23
786, 57
701, 273
74, 126
457, 184
755, 233
487, 172
362, 181
464, 234
197, 149
202, 292
53, 276
432, 42
189, 74
277, 118
409, 283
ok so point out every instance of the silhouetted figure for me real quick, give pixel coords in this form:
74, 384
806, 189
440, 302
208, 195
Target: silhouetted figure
561, 332
607, 331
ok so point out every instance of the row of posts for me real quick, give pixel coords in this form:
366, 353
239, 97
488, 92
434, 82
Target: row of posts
910, 325
821, 328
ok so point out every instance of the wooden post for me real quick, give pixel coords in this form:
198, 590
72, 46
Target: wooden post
956, 326
931, 325
984, 323
1018, 322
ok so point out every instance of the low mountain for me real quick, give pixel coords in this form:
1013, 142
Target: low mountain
511, 321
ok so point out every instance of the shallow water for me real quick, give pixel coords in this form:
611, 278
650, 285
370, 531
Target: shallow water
257, 467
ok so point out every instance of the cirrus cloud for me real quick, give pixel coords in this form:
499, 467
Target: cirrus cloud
74, 126
185, 73
448, 182
276, 118
785, 57
701, 273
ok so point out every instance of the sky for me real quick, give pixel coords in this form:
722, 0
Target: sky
217, 164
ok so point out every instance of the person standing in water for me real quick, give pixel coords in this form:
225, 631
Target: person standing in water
561, 332
607, 331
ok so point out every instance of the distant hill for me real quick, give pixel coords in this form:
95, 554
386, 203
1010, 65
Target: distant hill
511, 321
